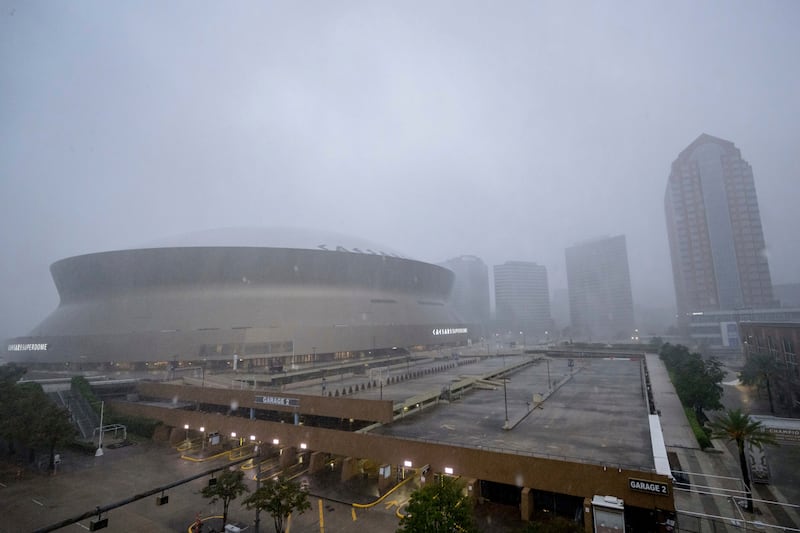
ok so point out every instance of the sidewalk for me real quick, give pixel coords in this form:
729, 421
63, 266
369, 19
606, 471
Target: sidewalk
717, 463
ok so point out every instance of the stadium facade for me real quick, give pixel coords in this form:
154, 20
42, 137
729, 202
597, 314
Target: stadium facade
242, 298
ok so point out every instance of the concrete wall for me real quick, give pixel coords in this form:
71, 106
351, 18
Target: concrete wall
570, 478
370, 410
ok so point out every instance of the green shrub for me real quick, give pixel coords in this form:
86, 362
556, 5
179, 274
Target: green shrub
699, 432
81, 386
143, 427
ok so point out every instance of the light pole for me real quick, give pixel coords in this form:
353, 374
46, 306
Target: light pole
203, 443
257, 451
99, 452
505, 401
549, 385
186, 427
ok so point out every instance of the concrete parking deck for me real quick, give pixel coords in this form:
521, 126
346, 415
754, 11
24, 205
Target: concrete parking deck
597, 414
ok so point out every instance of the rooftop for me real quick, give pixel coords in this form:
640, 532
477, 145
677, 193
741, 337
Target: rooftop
596, 412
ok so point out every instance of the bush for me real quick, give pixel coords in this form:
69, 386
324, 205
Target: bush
80, 385
143, 427
699, 432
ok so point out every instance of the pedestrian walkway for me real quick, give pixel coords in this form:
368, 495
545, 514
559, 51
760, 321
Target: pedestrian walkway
674, 424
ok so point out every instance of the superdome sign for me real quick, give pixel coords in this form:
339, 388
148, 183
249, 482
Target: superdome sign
34, 347
450, 331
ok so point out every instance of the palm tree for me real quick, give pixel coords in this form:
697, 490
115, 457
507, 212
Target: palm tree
740, 428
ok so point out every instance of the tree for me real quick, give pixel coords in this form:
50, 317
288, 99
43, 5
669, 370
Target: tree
740, 428
9, 393
229, 486
439, 508
697, 381
52, 428
656, 342
759, 370
279, 497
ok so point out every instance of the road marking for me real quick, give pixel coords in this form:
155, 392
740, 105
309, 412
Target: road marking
84, 527
37, 502
391, 504
321, 518
3, 485
353, 512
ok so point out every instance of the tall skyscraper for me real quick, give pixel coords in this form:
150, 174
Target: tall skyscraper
599, 283
470, 294
714, 226
522, 297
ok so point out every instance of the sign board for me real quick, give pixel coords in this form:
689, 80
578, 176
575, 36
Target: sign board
650, 487
278, 400
757, 462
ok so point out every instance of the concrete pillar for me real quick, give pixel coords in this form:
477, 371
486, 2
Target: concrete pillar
588, 516
316, 462
288, 456
474, 490
526, 504
349, 468
176, 436
385, 483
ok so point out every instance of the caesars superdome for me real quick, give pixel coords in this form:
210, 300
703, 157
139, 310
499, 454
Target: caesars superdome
265, 298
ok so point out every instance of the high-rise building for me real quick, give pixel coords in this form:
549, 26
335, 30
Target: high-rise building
522, 297
470, 295
599, 283
714, 228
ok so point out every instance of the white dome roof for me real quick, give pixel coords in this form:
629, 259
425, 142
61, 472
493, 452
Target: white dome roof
276, 237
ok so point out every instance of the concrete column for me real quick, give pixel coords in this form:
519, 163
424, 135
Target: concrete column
349, 468
526, 504
288, 456
588, 516
385, 483
316, 462
474, 490
176, 436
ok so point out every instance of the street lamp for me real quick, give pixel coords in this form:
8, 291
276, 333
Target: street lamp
99, 452
186, 427
203, 444
549, 383
257, 451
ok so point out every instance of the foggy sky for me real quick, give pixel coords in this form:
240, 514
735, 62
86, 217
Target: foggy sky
507, 130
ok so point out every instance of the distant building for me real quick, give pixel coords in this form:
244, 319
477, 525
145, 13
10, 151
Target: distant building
600, 298
715, 234
779, 341
718, 331
559, 310
522, 298
470, 295
788, 294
